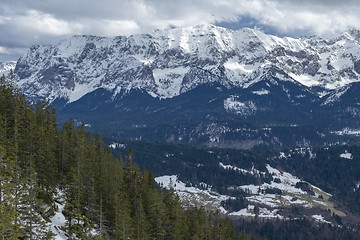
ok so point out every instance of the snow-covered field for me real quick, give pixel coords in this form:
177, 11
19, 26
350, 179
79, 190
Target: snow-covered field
269, 205
192, 196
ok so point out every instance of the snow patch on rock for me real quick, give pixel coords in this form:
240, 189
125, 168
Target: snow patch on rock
261, 92
246, 108
320, 218
117, 145
346, 155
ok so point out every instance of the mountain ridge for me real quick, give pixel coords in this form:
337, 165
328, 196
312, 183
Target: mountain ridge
165, 63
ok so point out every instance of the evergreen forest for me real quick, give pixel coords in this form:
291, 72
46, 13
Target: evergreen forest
43, 165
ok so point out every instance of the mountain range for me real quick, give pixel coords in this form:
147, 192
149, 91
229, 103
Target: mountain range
203, 85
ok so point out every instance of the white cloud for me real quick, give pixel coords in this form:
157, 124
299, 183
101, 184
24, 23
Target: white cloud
7, 54
3, 50
27, 22
66, 17
45, 24
317, 17
110, 28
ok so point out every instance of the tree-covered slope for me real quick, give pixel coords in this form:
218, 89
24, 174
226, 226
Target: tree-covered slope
103, 197
302, 193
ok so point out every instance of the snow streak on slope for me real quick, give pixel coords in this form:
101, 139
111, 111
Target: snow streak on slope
249, 211
320, 218
58, 223
253, 170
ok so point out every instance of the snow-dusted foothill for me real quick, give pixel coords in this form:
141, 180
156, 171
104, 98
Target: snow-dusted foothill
270, 203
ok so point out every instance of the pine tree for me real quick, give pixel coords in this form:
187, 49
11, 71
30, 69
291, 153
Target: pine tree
31, 210
77, 224
154, 206
102, 187
45, 159
9, 229
89, 196
121, 206
174, 222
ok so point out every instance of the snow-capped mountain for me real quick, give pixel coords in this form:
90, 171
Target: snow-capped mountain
170, 62
209, 77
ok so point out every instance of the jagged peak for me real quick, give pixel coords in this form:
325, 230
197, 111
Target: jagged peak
352, 34
6, 66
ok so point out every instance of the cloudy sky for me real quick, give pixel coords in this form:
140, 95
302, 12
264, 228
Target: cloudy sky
24, 23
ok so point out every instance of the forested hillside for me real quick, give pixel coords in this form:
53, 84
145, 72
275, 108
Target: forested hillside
328, 176
104, 197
